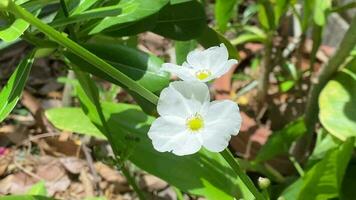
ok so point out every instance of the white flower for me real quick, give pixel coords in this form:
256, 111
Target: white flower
189, 120
204, 65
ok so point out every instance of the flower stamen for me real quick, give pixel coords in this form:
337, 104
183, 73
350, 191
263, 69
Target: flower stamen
195, 122
202, 74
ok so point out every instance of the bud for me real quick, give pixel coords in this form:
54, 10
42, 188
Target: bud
263, 183
4, 4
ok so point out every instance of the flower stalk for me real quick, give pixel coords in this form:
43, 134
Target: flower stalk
226, 154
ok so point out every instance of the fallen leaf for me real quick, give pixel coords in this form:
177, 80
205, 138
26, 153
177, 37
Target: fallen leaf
72, 164
153, 183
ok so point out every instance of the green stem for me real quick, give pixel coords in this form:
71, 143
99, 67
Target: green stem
132, 182
244, 178
297, 166
81, 52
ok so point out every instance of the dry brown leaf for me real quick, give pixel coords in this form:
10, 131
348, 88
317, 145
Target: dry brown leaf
17, 183
87, 183
108, 173
72, 164
54, 175
153, 183
5, 160
15, 133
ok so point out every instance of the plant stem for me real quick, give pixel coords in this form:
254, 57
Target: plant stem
264, 72
244, 178
132, 182
82, 52
297, 166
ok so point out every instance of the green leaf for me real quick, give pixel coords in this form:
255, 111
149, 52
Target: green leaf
337, 103
141, 67
348, 184
211, 38
82, 6
224, 11
103, 12
38, 189
320, 9
132, 10
14, 30
11, 93
25, 197
247, 37
204, 173
133, 28
324, 179
82, 125
279, 142
182, 50
181, 21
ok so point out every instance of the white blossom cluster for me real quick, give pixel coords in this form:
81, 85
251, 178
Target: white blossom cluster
188, 119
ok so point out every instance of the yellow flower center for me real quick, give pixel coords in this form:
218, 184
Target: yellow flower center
195, 123
202, 74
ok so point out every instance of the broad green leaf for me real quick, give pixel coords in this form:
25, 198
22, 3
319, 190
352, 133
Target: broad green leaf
280, 141
324, 179
337, 103
140, 66
181, 21
182, 49
12, 91
132, 10
224, 11
25, 197
204, 173
78, 122
211, 38
38, 189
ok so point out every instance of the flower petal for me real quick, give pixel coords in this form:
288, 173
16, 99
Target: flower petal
217, 56
169, 134
182, 72
192, 90
197, 60
224, 111
164, 131
187, 144
182, 98
222, 120
222, 69
216, 138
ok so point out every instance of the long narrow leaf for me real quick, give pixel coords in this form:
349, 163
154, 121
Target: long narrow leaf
11, 93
